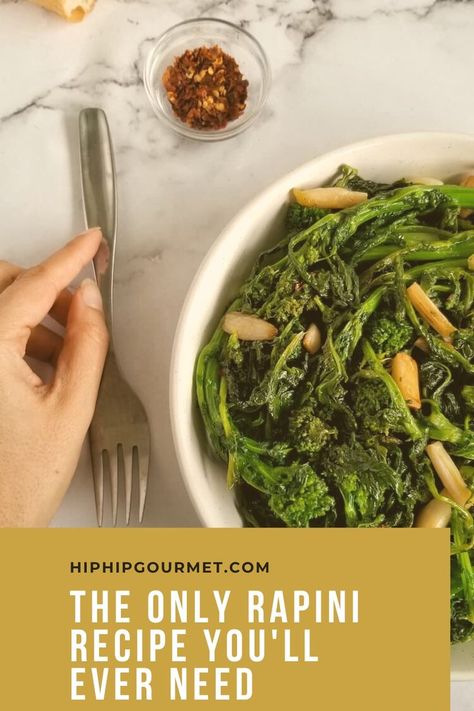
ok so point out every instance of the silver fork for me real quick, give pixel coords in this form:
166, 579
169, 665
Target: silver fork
119, 434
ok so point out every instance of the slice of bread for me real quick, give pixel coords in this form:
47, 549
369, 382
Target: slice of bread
72, 10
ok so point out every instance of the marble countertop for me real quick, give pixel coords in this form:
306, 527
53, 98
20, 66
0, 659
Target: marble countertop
342, 71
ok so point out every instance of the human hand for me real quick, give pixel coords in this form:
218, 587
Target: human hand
43, 426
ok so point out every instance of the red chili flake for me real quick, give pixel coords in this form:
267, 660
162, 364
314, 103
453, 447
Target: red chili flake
205, 88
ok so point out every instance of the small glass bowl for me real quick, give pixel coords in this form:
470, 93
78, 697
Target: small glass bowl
236, 42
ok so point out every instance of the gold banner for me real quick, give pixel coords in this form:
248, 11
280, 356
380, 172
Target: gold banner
258, 619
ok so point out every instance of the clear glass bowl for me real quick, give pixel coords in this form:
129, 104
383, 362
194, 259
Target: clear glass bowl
236, 42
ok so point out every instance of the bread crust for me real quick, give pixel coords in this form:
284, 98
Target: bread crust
71, 10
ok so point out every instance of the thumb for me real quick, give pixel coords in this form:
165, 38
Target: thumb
81, 361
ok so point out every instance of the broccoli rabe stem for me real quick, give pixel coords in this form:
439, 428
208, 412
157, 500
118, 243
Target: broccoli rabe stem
410, 424
410, 240
464, 559
443, 430
207, 379
458, 247
448, 267
274, 400
454, 251
437, 345
336, 351
462, 196
295, 493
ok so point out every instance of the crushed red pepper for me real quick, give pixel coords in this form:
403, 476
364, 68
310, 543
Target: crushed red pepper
205, 88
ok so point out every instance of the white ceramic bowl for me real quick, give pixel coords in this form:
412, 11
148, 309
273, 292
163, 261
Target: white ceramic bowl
228, 263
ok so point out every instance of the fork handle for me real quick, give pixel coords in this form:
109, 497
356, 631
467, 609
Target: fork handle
100, 199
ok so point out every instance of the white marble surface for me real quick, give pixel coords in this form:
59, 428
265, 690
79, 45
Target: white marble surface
342, 70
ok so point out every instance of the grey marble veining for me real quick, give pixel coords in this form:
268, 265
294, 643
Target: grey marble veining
342, 70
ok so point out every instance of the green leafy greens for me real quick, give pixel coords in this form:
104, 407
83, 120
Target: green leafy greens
325, 437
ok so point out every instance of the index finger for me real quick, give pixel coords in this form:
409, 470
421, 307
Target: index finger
25, 303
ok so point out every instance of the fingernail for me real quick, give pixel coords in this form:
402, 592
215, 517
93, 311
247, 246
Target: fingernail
90, 294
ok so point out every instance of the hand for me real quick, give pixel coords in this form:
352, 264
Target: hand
42, 426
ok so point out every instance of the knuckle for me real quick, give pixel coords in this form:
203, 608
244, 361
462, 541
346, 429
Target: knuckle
41, 274
8, 272
32, 272
5, 267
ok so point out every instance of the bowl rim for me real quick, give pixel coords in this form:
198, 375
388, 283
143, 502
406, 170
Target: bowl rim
176, 124
179, 386
185, 462
462, 656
